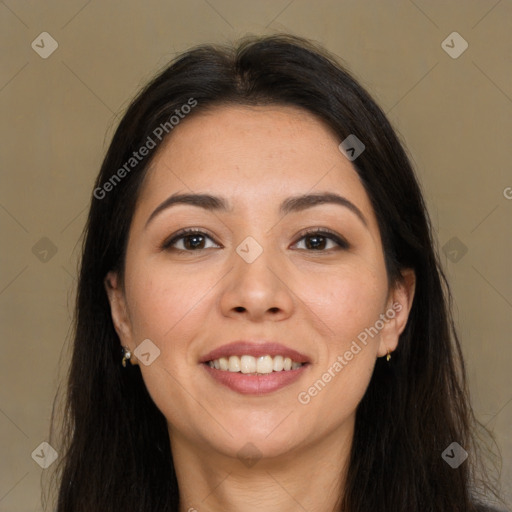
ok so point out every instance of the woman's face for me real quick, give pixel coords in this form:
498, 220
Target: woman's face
255, 275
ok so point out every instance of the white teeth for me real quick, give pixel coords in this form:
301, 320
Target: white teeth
278, 363
250, 364
264, 364
247, 364
234, 364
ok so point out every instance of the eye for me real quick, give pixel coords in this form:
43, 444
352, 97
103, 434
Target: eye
190, 240
317, 239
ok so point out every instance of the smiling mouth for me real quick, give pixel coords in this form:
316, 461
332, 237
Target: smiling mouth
251, 365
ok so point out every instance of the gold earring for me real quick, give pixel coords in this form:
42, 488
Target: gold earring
388, 357
126, 356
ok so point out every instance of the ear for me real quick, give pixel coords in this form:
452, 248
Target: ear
119, 312
397, 312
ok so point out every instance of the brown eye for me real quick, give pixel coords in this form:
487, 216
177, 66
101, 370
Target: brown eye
188, 240
317, 240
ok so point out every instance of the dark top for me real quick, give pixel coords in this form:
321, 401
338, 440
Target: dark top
485, 508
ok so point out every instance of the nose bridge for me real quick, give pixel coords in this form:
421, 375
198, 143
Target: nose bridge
255, 284
253, 264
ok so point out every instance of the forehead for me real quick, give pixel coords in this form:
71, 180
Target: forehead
258, 154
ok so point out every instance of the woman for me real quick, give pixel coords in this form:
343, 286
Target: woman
261, 322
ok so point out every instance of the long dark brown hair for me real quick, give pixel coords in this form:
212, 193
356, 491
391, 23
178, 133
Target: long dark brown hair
114, 443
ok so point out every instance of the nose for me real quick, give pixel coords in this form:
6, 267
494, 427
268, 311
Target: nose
259, 290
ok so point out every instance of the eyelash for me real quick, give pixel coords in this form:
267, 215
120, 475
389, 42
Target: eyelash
324, 232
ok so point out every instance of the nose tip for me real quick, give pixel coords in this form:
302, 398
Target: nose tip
256, 291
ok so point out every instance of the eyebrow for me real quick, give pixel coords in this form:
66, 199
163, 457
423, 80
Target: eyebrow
291, 204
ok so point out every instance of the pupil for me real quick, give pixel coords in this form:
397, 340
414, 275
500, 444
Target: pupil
315, 243
193, 240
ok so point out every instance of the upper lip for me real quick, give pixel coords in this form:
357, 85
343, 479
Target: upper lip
255, 349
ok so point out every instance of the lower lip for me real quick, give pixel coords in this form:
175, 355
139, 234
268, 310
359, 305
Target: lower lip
256, 384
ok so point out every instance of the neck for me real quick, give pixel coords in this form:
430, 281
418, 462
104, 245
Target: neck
310, 477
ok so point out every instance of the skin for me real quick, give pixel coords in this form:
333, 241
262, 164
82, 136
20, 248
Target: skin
316, 301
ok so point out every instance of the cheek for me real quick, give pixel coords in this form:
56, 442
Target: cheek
345, 364
158, 304
167, 306
346, 301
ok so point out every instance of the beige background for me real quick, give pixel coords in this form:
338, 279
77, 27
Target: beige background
58, 115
